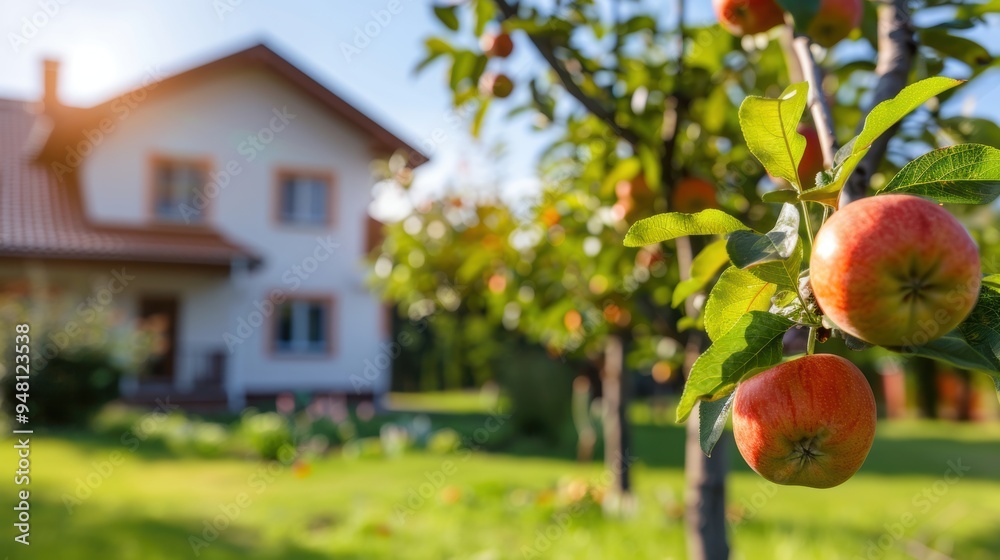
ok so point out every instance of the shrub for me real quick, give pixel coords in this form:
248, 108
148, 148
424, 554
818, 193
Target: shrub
68, 389
266, 433
444, 441
539, 389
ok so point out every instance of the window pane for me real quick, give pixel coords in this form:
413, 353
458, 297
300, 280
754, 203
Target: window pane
318, 210
288, 200
284, 327
177, 185
304, 200
316, 332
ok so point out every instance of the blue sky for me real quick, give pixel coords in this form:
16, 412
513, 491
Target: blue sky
109, 45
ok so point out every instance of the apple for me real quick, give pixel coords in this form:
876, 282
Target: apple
693, 195
895, 270
496, 45
807, 422
497, 85
812, 159
748, 17
834, 21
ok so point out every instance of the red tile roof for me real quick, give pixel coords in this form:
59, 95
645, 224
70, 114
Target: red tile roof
42, 217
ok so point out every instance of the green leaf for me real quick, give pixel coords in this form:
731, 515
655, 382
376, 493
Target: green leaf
747, 248
963, 174
462, 69
651, 168
781, 196
955, 46
882, 117
637, 23
712, 417
664, 227
970, 129
435, 48
975, 344
803, 11
737, 293
992, 282
477, 120
485, 12
951, 348
751, 346
769, 127
624, 170
448, 16
437, 45
783, 273
703, 269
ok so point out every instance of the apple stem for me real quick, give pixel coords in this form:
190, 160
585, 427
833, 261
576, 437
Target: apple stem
808, 221
811, 345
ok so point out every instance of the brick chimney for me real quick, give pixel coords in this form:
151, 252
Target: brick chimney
50, 96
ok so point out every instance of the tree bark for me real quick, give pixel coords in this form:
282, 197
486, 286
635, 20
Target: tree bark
927, 393
705, 482
896, 47
704, 477
617, 439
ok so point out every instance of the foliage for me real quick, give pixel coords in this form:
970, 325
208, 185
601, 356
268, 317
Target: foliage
539, 392
77, 361
68, 390
752, 343
636, 98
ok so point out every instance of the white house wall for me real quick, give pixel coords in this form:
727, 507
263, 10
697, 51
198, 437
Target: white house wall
214, 119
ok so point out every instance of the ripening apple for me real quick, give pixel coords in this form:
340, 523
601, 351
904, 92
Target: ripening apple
693, 195
748, 17
496, 85
835, 21
895, 270
807, 422
496, 45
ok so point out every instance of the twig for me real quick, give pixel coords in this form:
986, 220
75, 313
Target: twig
896, 47
822, 116
547, 50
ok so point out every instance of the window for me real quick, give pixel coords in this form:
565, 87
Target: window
176, 185
302, 327
304, 198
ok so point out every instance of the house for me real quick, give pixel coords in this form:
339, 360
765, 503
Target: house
229, 202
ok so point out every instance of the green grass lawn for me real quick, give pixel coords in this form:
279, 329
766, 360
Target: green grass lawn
509, 505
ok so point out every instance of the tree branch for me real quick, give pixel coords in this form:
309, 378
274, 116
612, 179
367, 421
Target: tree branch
821, 113
546, 48
672, 114
896, 47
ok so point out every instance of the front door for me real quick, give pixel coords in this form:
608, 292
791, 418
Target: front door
160, 313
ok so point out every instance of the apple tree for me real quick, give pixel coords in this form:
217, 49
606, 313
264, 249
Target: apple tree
665, 93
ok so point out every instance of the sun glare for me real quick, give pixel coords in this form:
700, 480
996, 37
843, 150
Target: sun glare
91, 72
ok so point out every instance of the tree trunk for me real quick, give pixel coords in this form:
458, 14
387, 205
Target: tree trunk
927, 393
617, 441
705, 477
705, 491
963, 412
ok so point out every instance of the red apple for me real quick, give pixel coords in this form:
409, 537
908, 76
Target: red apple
693, 195
748, 17
895, 270
496, 45
835, 21
807, 422
812, 159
